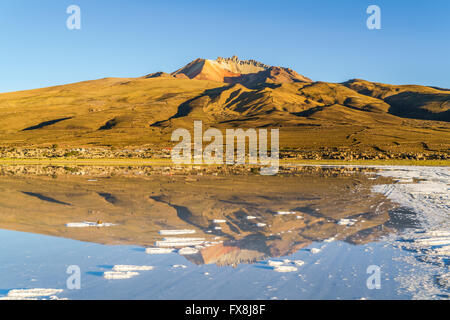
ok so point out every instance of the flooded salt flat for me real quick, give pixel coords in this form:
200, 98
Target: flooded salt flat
147, 233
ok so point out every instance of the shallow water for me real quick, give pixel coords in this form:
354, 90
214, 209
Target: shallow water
325, 226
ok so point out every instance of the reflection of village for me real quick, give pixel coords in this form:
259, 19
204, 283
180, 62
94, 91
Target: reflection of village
228, 219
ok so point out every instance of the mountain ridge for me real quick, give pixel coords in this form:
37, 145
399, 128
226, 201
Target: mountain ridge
313, 115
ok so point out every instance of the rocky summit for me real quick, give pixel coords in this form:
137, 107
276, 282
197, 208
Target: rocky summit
234, 70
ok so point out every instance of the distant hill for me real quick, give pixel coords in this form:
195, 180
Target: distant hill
410, 101
224, 93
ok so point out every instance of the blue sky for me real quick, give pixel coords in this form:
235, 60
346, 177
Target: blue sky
325, 40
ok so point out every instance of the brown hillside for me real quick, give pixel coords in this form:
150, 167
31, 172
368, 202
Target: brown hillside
355, 115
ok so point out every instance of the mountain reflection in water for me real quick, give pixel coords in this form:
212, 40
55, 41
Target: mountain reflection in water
235, 216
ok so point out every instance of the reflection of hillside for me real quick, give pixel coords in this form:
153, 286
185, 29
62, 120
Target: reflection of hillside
142, 206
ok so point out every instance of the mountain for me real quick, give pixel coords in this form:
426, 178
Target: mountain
357, 115
232, 70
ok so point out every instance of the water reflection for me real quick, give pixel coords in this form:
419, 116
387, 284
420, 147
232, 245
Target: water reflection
236, 216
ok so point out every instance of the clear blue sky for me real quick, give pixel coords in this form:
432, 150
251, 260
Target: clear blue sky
324, 39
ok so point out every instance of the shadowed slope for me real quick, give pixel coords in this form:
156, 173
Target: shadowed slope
409, 101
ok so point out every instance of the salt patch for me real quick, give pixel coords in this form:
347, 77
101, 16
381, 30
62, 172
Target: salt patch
285, 269
298, 262
176, 239
286, 212
346, 222
158, 250
186, 251
429, 198
118, 275
442, 251
179, 242
17, 294
444, 281
175, 232
86, 224
435, 241
438, 233
274, 263
123, 268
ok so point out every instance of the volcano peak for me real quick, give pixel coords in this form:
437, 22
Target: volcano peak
234, 70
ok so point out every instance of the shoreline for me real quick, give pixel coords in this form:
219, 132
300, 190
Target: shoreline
168, 162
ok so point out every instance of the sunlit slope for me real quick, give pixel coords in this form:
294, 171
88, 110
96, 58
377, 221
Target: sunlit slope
107, 111
144, 111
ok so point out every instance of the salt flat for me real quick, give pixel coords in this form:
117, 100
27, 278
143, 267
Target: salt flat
392, 217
